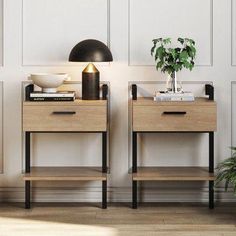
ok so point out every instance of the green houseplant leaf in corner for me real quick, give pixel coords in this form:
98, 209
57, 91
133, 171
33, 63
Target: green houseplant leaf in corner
226, 171
170, 60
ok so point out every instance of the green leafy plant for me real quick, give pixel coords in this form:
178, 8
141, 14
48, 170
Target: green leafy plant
170, 60
226, 171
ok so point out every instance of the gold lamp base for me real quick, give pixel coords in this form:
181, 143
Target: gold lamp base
90, 83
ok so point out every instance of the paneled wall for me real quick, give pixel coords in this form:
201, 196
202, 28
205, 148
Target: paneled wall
233, 32
37, 36
184, 20
51, 28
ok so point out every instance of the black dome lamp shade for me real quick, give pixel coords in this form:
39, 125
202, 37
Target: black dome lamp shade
90, 50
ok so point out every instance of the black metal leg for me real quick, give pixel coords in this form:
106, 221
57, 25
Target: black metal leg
27, 194
27, 152
134, 170
104, 152
104, 194
211, 169
134, 152
134, 195
27, 169
211, 194
104, 169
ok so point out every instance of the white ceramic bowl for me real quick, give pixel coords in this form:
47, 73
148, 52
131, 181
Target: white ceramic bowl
48, 82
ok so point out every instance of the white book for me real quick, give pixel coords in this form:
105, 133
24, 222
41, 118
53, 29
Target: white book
62, 94
165, 97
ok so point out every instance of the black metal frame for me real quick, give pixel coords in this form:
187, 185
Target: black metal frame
27, 169
209, 90
104, 157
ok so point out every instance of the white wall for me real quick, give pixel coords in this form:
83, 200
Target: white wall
37, 36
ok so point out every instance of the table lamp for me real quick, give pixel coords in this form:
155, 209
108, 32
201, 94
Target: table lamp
90, 50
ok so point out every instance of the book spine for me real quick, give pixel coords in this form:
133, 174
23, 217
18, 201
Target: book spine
38, 95
51, 99
172, 99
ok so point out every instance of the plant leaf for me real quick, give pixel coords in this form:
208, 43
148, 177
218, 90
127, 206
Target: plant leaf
181, 40
226, 171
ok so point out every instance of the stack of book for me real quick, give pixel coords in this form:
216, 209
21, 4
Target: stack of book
169, 97
52, 97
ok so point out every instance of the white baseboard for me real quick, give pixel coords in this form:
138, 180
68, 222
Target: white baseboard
115, 195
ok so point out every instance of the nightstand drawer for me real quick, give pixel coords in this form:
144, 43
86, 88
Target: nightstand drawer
174, 118
64, 118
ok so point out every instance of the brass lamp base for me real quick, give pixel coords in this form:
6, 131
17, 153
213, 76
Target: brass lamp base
90, 83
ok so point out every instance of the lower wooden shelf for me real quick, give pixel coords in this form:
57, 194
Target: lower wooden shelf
173, 174
65, 174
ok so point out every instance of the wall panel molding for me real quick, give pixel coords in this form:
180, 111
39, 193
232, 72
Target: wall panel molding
233, 33
2, 33
1, 127
120, 194
208, 64
233, 113
35, 60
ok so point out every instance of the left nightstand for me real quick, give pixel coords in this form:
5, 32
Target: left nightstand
79, 116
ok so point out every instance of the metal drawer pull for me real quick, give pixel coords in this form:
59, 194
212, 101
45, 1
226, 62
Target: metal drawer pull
174, 113
63, 112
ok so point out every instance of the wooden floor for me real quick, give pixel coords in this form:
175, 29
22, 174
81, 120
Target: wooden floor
119, 219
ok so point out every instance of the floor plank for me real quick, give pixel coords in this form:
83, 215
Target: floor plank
119, 219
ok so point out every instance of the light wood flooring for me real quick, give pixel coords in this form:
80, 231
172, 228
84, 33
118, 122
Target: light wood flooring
162, 219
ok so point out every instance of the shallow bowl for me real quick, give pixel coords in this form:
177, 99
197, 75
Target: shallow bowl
48, 82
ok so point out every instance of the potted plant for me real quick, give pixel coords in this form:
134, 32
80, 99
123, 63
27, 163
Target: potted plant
170, 60
226, 171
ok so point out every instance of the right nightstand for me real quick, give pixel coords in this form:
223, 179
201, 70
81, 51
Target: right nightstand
149, 116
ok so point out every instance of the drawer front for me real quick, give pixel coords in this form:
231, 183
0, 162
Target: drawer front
174, 118
64, 118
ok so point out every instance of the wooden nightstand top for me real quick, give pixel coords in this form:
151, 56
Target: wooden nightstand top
148, 101
77, 102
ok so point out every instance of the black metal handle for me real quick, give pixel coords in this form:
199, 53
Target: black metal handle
63, 112
174, 113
